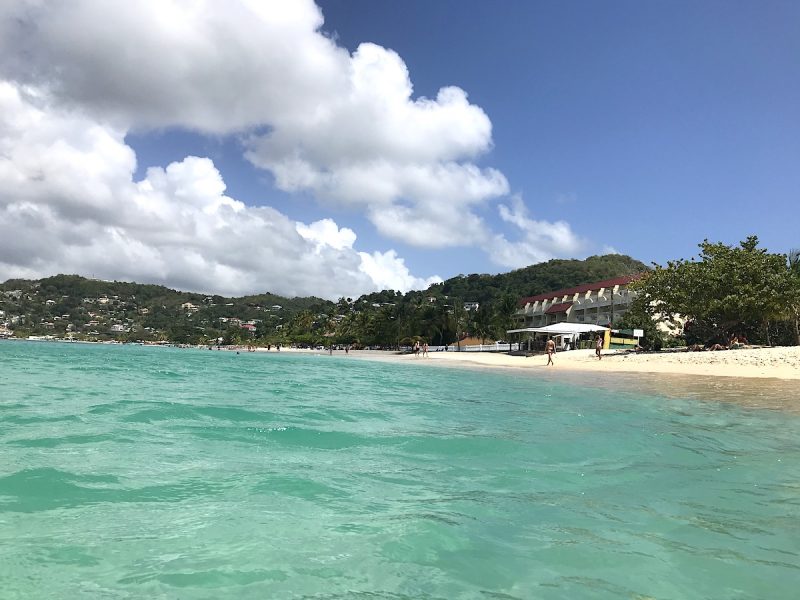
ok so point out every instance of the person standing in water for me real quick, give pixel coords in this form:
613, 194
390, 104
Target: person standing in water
550, 348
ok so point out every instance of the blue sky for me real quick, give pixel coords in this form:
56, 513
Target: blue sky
649, 126
268, 148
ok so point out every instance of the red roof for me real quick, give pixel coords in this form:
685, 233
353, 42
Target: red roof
581, 289
557, 308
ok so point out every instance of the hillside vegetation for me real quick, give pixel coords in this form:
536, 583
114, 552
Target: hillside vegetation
478, 304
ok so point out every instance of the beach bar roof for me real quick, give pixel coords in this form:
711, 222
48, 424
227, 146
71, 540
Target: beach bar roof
561, 329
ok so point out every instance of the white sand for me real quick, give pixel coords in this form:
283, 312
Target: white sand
780, 363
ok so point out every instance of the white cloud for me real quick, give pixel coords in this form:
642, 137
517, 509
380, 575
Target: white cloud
68, 203
540, 240
344, 126
390, 272
210, 66
404, 161
326, 233
433, 226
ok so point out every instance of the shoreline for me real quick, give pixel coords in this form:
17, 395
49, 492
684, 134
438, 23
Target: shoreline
763, 378
766, 379
762, 363
739, 379
781, 362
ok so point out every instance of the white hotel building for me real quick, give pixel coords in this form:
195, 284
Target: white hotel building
598, 303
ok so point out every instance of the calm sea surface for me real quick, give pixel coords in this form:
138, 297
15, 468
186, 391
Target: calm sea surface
130, 472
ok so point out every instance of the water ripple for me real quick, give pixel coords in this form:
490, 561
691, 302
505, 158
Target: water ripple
134, 472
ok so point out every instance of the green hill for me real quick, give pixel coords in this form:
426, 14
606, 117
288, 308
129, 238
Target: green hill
95, 309
74, 306
528, 281
439, 314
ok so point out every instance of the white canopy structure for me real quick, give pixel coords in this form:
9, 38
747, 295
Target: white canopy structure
567, 333
561, 329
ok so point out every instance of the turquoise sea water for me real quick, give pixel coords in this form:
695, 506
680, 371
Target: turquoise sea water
130, 472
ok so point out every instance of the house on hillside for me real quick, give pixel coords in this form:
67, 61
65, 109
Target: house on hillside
597, 303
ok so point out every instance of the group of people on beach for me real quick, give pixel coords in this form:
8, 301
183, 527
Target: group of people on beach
417, 347
550, 348
736, 342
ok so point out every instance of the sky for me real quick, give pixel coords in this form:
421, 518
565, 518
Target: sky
348, 146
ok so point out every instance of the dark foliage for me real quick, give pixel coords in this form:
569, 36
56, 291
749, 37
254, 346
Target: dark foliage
89, 308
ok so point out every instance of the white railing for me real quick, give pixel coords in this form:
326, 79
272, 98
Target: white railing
474, 348
487, 348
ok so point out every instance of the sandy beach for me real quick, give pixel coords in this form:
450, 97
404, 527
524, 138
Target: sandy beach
779, 363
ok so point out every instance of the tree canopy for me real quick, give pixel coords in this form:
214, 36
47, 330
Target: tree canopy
440, 315
728, 290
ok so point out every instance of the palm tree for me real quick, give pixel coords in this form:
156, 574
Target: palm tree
482, 322
504, 315
300, 326
407, 318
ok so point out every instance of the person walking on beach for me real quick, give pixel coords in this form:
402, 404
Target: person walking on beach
598, 346
425, 350
550, 348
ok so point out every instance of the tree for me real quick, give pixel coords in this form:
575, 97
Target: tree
232, 335
504, 315
482, 322
347, 331
637, 318
442, 324
793, 264
302, 323
261, 330
407, 320
729, 290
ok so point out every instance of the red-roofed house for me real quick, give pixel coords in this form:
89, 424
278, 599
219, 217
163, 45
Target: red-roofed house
598, 303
